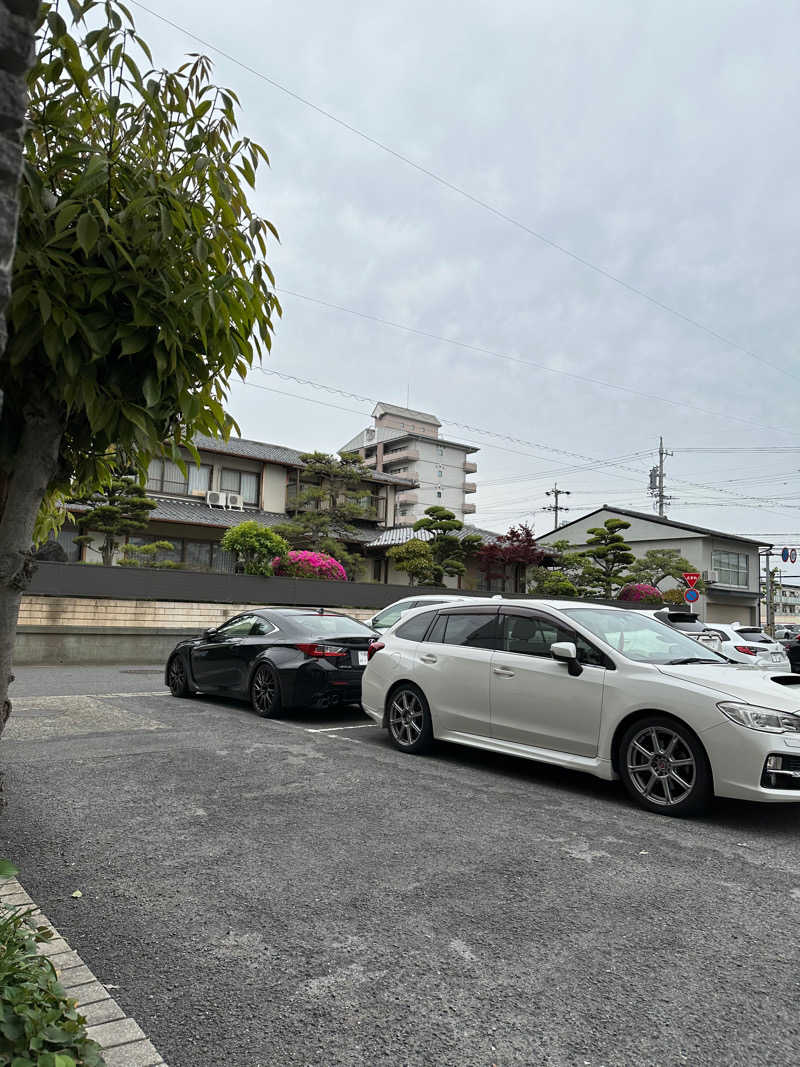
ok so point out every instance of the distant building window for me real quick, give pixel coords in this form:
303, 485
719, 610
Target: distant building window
439, 493
439, 473
732, 568
245, 483
164, 476
439, 450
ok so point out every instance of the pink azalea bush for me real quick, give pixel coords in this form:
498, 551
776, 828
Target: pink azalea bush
309, 565
640, 591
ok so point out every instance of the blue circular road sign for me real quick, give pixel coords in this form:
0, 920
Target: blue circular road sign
690, 595
785, 555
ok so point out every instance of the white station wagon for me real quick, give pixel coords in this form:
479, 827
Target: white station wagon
593, 688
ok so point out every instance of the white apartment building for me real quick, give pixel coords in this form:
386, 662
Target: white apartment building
406, 443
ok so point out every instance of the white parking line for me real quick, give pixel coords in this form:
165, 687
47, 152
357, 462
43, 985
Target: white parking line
332, 729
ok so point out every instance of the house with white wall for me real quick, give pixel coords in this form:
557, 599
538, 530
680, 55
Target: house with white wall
236, 480
729, 564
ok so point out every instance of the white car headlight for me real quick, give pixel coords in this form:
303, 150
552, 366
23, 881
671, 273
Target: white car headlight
768, 720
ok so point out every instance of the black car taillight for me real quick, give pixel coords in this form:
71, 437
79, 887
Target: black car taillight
318, 651
374, 647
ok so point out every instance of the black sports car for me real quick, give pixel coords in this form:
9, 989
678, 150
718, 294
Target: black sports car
278, 658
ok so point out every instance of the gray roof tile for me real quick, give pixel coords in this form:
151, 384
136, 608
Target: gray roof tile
287, 457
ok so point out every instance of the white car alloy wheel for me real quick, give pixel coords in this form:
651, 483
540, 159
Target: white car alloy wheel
409, 720
664, 768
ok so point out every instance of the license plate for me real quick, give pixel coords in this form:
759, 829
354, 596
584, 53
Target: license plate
777, 657
362, 659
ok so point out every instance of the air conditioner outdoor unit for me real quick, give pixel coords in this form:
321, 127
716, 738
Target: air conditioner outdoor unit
215, 499
235, 502
709, 577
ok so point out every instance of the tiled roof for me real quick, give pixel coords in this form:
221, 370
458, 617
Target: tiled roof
286, 457
198, 513
398, 535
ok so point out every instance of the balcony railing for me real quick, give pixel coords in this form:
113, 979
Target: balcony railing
470, 487
469, 508
374, 506
470, 467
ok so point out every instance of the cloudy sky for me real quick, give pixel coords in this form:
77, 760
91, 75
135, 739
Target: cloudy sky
655, 140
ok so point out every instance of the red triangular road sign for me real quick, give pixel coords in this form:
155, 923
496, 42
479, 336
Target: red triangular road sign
691, 578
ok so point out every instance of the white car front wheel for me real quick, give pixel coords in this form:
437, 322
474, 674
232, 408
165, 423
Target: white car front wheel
664, 767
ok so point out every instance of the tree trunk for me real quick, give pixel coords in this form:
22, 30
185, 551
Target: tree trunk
17, 20
35, 463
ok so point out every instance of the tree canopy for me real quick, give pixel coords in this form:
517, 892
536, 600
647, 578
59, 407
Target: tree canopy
114, 510
607, 557
415, 559
140, 285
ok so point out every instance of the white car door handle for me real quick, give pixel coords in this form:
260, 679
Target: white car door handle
428, 659
504, 672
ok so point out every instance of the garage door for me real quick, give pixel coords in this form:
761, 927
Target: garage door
730, 611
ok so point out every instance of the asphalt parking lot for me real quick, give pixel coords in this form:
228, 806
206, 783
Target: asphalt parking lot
297, 892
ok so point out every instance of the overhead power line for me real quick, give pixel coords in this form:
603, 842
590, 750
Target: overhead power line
472, 198
481, 350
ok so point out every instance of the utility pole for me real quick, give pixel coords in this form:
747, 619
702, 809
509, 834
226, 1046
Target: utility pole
769, 603
555, 507
656, 488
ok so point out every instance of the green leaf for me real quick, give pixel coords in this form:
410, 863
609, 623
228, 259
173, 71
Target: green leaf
44, 305
7, 869
87, 232
66, 215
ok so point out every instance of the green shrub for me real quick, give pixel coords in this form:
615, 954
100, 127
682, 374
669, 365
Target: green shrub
39, 1025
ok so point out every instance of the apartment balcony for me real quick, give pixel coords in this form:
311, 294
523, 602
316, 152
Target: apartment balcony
374, 506
402, 455
470, 467
370, 461
406, 498
470, 487
469, 508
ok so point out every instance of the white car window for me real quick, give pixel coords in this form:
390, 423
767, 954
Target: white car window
389, 616
641, 638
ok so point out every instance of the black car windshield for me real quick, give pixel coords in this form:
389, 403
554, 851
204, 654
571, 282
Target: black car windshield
641, 638
331, 626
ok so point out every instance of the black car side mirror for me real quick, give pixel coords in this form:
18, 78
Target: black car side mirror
566, 652
208, 633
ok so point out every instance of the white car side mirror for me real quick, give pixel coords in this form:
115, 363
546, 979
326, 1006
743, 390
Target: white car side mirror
566, 652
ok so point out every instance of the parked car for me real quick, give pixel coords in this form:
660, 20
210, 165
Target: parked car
688, 623
599, 689
277, 658
791, 647
787, 631
389, 616
749, 644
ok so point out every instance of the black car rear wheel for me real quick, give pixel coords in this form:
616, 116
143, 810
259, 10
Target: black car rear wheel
265, 692
176, 678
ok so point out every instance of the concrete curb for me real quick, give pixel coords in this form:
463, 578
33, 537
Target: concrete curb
123, 1042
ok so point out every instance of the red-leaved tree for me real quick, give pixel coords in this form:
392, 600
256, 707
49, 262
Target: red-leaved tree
514, 551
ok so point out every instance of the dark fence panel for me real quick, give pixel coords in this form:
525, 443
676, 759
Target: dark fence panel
135, 583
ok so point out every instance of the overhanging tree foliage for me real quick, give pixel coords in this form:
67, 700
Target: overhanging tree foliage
115, 510
449, 546
139, 281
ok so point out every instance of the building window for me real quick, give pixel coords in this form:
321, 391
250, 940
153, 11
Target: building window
164, 476
732, 568
439, 473
377, 570
244, 483
439, 493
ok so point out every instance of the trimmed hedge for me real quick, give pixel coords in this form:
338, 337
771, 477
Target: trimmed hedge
39, 1024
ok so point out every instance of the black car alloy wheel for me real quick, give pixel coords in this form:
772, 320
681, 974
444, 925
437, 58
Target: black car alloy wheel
664, 767
265, 692
176, 677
